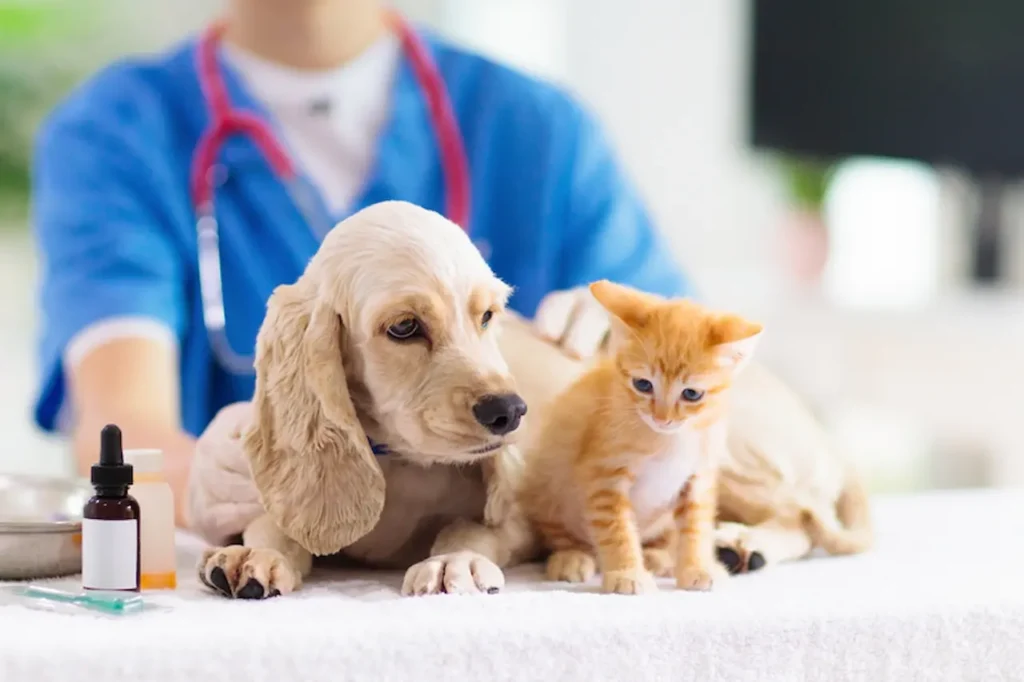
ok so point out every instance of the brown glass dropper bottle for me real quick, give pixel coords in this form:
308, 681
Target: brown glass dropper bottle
110, 524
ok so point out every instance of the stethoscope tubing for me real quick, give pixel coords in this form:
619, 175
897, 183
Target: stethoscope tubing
226, 121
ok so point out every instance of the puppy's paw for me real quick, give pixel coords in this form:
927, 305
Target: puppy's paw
659, 562
700, 578
247, 572
633, 581
571, 565
455, 573
735, 550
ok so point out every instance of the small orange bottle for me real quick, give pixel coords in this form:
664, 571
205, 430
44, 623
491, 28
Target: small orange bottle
153, 493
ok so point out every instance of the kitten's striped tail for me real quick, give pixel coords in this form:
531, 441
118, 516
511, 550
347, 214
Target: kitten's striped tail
848, 528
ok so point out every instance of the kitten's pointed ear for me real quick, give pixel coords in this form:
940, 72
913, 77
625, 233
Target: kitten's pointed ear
630, 306
734, 340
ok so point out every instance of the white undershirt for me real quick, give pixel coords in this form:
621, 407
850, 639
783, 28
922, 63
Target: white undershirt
328, 120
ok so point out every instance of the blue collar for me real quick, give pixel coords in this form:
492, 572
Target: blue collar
378, 449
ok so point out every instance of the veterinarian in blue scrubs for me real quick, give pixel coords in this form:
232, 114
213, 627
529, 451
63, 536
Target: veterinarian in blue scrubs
171, 194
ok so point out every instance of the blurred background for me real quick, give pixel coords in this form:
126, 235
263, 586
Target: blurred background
847, 175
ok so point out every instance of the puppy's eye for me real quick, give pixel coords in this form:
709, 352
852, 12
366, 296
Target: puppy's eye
408, 328
486, 319
643, 385
692, 395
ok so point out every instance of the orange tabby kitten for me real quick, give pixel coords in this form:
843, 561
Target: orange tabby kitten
622, 475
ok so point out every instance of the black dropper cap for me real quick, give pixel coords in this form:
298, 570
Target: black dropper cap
111, 471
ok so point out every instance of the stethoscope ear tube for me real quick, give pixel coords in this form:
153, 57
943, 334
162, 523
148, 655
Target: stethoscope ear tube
446, 128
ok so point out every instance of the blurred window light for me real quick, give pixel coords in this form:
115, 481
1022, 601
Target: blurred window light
883, 221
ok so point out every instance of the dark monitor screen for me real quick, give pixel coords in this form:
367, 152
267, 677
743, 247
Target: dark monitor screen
940, 81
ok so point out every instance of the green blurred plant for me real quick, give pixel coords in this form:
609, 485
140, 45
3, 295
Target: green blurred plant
808, 180
41, 44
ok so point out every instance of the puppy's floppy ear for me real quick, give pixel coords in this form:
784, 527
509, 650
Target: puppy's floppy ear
309, 456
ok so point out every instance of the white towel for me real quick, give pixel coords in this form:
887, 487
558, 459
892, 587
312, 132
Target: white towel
940, 598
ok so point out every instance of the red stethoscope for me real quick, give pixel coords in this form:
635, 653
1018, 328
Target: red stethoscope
227, 121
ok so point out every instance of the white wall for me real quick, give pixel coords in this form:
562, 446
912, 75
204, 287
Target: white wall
23, 450
667, 77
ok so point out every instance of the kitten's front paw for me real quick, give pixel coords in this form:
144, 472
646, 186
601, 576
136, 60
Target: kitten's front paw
698, 578
571, 565
634, 581
458, 572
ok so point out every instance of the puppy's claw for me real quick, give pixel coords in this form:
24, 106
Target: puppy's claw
735, 550
220, 581
455, 573
247, 573
730, 559
486, 574
251, 590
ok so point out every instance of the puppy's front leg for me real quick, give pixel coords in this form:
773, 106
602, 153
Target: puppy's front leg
467, 557
267, 564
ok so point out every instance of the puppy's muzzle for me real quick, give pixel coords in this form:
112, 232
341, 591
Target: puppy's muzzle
500, 414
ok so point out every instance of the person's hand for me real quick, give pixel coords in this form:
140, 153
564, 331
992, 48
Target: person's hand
574, 320
222, 498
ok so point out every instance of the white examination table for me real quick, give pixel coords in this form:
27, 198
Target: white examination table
940, 598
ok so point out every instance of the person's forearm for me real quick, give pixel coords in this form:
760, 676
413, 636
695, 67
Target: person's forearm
132, 382
178, 449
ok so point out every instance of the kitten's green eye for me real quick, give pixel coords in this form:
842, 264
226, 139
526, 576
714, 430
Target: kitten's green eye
485, 320
692, 395
643, 385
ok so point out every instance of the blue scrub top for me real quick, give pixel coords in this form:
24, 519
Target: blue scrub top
116, 227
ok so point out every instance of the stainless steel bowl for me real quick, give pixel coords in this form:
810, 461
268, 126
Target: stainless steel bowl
40, 526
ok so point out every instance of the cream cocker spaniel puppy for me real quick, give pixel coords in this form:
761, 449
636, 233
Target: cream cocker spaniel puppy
383, 422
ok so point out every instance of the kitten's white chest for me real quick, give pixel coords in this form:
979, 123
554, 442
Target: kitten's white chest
661, 477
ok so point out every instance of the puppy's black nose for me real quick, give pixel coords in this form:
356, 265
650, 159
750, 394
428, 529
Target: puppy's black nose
500, 414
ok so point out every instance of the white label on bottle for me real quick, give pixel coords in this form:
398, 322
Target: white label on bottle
110, 550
